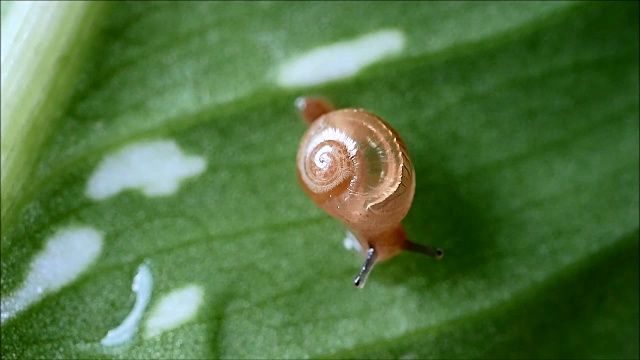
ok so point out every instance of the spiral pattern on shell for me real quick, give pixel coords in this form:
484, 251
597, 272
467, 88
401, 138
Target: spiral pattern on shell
329, 168
356, 167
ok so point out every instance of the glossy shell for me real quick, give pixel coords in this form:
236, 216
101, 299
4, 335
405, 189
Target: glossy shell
356, 168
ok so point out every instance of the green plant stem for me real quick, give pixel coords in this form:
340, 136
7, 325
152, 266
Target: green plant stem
43, 44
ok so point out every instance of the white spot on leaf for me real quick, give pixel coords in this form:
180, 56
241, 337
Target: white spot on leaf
340, 60
174, 309
351, 243
155, 167
142, 286
66, 255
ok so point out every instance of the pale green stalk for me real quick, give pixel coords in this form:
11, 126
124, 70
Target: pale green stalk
43, 44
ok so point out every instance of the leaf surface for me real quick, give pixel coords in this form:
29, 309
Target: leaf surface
522, 123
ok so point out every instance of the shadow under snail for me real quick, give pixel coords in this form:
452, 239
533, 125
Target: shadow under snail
356, 167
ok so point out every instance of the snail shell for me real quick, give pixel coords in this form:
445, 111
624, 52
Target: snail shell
356, 167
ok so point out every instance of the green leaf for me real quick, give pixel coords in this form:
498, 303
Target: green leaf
522, 123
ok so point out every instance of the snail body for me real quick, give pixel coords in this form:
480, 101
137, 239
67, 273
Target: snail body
356, 167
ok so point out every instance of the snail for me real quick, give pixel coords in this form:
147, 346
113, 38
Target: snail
356, 167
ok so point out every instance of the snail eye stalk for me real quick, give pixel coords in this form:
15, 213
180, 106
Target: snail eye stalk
369, 262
